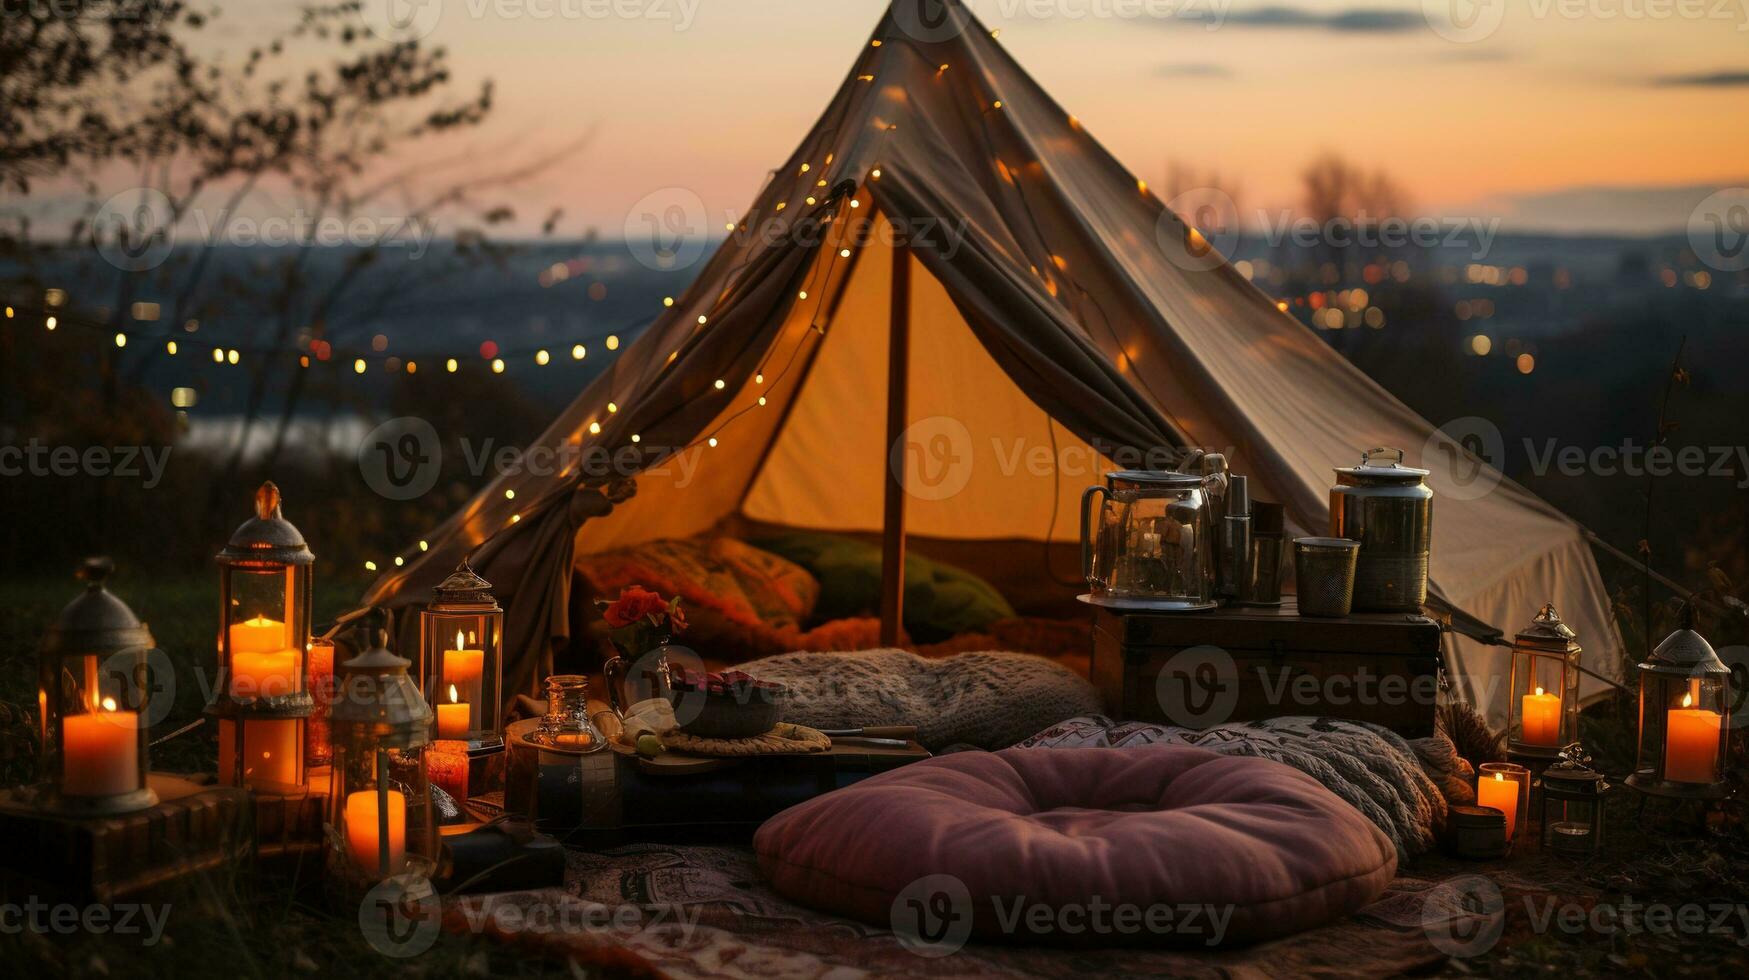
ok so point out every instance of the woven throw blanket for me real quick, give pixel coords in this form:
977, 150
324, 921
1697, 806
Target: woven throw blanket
1373, 768
785, 738
989, 700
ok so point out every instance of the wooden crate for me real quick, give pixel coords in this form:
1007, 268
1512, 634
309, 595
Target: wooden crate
194, 829
1199, 670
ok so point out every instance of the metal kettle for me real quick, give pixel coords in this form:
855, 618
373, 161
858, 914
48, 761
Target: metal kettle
1388, 508
1151, 544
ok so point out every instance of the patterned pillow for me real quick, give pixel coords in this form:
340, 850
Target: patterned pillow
738, 583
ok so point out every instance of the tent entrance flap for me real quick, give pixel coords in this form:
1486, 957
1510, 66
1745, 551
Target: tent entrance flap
898, 389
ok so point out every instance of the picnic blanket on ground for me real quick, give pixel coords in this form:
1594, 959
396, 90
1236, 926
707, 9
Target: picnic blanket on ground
683, 911
1402, 787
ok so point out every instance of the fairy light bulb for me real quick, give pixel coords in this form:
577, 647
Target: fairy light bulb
451, 366
497, 365
612, 408
121, 340
170, 346
702, 319
667, 301
595, 428
358, 366
637, 438
232, 356
424, 546
218, 356
370, 566
713, 442
578, 353
613, 341
720, 385
510, 495
541, 357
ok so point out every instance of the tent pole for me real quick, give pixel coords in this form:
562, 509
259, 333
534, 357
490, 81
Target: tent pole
898, 382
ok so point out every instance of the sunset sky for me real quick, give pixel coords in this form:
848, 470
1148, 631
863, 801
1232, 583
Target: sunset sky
1579, 115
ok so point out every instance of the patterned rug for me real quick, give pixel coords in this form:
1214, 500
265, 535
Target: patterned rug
703, 912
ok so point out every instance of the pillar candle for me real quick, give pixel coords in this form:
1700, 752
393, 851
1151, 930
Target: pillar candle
454, 718
320, 673
270, 751
464, 668
1691, 743
263, 674
1501, 794
1541, 719
447, 767
363, 832
100, 752
258, 634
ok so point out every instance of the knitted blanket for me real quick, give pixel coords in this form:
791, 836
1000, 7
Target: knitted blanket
1379, 772
989, 700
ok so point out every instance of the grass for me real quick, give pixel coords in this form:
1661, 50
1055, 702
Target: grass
240, 926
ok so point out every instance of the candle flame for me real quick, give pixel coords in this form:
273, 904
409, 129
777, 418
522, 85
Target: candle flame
458, 639
452, 697
109, 704
1688, 700
1539, 692
471, 637
1499, 777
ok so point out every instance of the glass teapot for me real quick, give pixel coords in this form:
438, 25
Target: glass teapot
1151, 544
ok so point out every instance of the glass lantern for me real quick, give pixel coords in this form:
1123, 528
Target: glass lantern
1542, 707
1572, 805
262, 701
461, 635
1685, 712
381, 819
92, 688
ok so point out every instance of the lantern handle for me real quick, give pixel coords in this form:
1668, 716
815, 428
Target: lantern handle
267, 499
92, 571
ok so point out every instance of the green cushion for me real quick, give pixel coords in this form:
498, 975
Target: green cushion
940, 600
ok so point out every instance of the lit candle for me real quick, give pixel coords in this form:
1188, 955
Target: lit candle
1542, 718
270, 751
1501, 794
447, 767
263, 664
1691, 743
363, 834
320, 671
463, 668
101, 752
453, 718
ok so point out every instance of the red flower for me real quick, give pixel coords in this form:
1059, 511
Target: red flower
633, 605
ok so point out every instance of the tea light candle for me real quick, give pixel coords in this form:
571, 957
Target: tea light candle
1691, 743
1501, 794
463, 669
100, 752
1542, 718
364, 833
453, 719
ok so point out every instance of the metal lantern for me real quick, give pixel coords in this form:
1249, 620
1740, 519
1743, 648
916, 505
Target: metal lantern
92, 688
1685, 712
381, 818
1542, 706
1572, 804
461, 635
262, 701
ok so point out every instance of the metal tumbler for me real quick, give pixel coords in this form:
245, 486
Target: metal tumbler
1324, 570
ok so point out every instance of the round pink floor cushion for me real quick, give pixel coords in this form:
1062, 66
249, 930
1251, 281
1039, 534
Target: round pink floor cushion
1261, 845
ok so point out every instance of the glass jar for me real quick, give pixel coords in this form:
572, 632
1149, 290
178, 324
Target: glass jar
566, 724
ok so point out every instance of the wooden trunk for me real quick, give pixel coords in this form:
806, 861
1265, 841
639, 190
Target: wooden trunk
1201, 670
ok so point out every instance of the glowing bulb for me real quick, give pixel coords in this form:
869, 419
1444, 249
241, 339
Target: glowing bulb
874, 44
1687, 702
637, 438
996, 104
358, 366
613, 341
218, 356
720, 385
805, 168
713, 442
844, 253
51, 323
612, 408
121, 340
667, 301
424, 546
802, 295
811, 200
450, 365
510, 495
577, 352
399, 561
761, 400
875, 173
855, 203
498, 365
370, 566
541, 357
702, 319
759, 379
515, 517
595, 428
170, 346
232, 356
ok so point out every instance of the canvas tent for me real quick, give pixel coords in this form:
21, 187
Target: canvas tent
1052, 315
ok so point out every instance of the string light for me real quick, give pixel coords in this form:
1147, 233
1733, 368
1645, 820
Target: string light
515, 517
855, 203
510, 495
875, 43
578, 352
399, 561
996, 104
170, 347
720, 385
370, 566
702, 319
595, 428
805, 168
802, 295
50, 323
358, 366
497, 365
218, 355
233, 356
844, 253
612, 408
424, 546
121, 340
713, 442
637, 438
613, 341
304, 361
667, 301
759, 379
412, 368
541, 357
9, 313
811, 200
762, 400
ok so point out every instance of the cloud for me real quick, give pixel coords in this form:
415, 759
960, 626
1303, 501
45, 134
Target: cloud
1363, 20
1193, 70
1717, 79
1474, 55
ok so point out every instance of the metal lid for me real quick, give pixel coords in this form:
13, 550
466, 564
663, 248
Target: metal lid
464, 586
1391, 472
1547, 632
375, 696
1685, 652
1331, 544
1160, 479
267, 537
96, 622
1477, 816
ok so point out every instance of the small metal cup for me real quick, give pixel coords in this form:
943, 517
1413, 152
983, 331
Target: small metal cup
1324, 570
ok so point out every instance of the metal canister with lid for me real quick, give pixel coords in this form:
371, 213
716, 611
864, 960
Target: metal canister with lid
1388, 508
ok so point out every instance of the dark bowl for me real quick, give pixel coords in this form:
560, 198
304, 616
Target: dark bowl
742, 714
